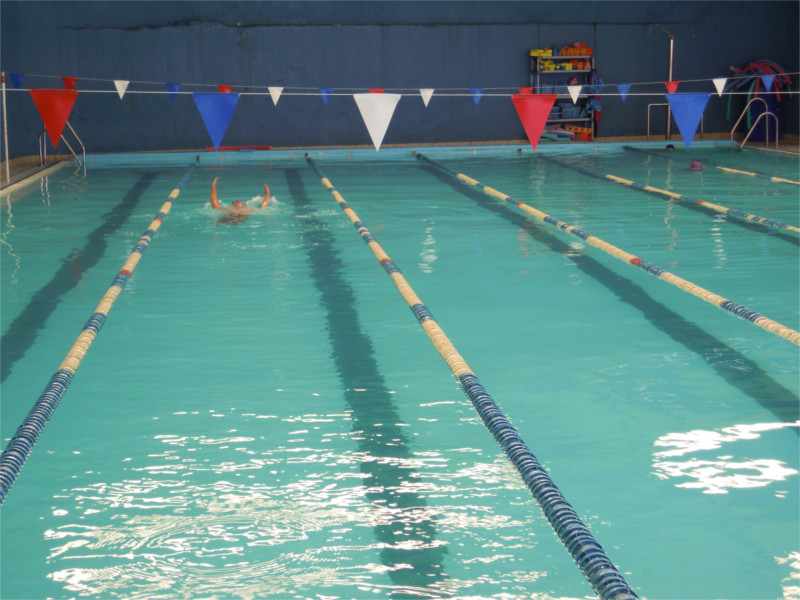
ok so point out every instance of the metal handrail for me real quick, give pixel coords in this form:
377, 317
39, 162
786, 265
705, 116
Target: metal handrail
83, 148
43, 148
649, 106
767, 113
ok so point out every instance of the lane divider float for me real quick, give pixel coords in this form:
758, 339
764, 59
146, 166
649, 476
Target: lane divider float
727, 305
21, 445
671, 156
588, 554
673, 196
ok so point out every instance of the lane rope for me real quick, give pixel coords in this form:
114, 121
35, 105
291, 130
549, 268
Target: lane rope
673, 196
588, 554
727, 305
671, 156
26, 436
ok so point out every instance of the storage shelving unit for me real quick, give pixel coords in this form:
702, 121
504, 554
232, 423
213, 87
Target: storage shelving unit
543, 76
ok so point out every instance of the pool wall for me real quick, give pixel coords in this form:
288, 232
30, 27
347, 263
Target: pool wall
362, 45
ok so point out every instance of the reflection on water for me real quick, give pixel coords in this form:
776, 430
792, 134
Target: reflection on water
167, 536
722, 473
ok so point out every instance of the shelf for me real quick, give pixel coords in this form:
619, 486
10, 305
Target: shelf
572, 120
567, 71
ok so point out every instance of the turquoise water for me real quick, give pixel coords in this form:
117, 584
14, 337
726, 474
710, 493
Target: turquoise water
262, 416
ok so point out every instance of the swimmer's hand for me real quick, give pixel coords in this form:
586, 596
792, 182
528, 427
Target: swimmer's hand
266, 197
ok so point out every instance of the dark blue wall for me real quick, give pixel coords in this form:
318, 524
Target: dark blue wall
352, 46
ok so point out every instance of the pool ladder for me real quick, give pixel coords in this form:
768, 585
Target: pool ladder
43, 148
764, 115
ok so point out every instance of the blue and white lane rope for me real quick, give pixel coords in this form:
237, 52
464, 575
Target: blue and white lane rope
21, 445
673, 156
729, 306
680, 198
588, 554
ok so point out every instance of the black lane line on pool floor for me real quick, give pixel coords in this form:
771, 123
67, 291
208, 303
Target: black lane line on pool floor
736, 369
373, 411
22, 331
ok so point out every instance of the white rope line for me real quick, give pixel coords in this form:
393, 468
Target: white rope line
416, 95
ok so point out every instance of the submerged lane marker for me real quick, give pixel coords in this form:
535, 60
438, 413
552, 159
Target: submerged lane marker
588, 554
673, 196
736, 309
21, 445
725, 169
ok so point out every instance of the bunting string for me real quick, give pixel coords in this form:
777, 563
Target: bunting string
500, 91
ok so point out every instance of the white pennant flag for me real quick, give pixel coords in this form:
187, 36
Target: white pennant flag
377, 111
574, 92
121, 86
426, 95
275, 92
719, 83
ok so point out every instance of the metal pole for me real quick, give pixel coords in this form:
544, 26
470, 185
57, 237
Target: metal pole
669, 109
671, 57
5, 127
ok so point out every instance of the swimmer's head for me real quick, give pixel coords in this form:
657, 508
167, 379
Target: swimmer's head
695, 165
238, 203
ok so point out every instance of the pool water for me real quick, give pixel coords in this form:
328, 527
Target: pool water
262, 415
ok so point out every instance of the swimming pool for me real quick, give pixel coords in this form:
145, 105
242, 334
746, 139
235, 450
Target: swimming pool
262, 416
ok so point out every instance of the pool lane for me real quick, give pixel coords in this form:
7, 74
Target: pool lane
735, 368
22, 331
374, 413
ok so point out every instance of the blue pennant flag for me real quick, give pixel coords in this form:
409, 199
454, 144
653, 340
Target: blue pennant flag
687, 108
624, 88
216, 108
173, 89
326, 94
476, 94
16, 79
767, 80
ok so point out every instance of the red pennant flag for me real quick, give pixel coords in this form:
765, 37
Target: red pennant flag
69, 82
526, 90
54, 108
225, 89
377, 90
672, 86
533, 111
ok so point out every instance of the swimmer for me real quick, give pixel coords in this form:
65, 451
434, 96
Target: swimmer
695, 165
237, 212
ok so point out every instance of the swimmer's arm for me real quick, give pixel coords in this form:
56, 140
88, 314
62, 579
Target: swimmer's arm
214, 199
266, 197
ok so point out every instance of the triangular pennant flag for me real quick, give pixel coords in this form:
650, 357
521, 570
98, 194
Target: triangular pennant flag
767, 80
574, 92
121, 86
687, 109
54, 108
326, 94
525, 90
426, 94
476, 94
719, 83
225, 89
376, 90
533, 111
69, 82
216, 110
275, 92
16, 79
173, 89
377, 111
624, 88
672, 86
